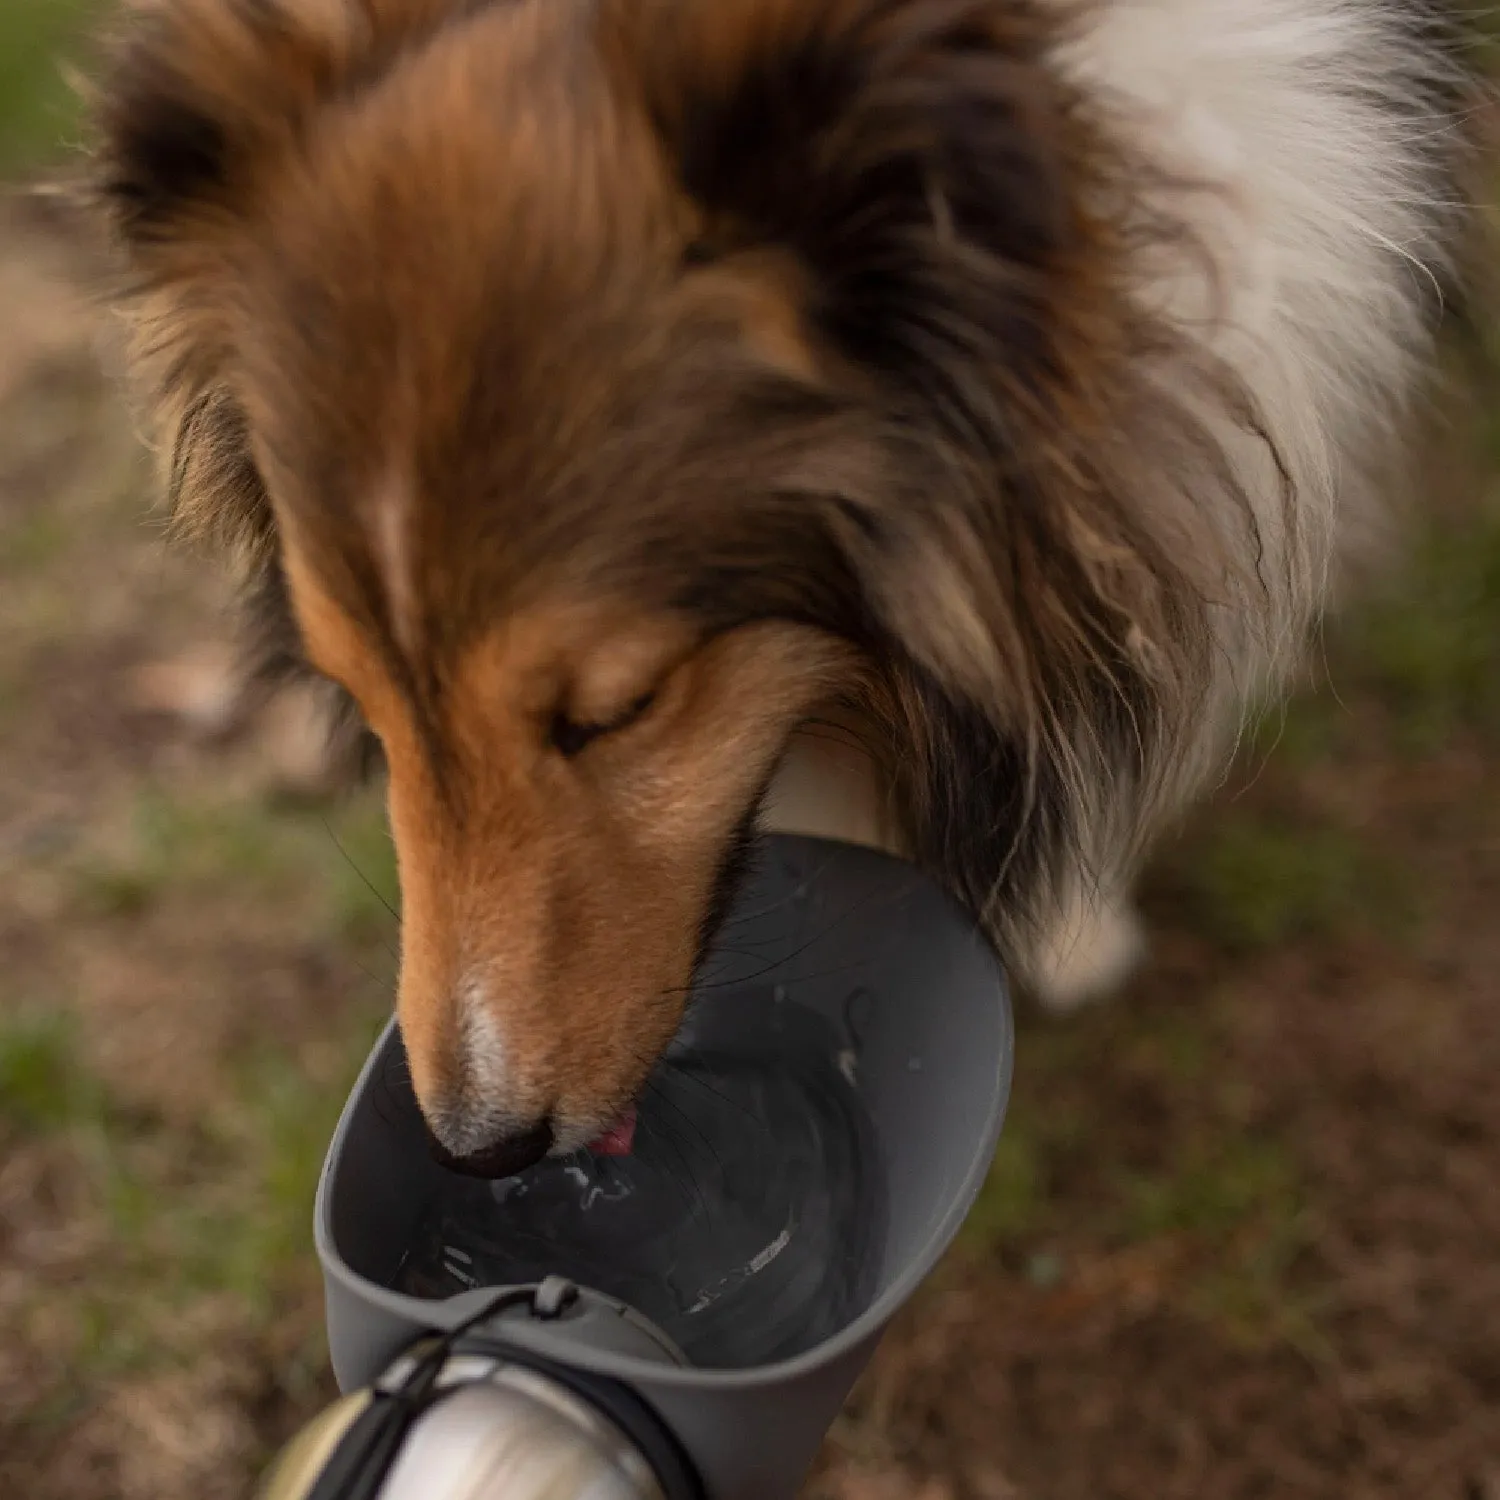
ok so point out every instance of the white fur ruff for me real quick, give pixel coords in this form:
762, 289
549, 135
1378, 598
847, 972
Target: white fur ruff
1312, 128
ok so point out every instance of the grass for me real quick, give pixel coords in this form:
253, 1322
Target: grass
1232, 1205
33, 543
1429, 647
1011, 1204
1212, 1188
281, 1121
1241, 1202
44, 1086
216, 1214
1422, 656
226, 1212
221, 1216
1422, 651
1258, 881
38, 112
335, 866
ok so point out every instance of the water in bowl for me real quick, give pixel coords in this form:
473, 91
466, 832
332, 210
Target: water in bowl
747, 1222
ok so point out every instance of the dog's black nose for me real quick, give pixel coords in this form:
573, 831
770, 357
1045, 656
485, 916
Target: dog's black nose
502, 1158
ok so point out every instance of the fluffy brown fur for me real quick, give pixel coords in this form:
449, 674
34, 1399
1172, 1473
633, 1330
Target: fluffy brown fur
597, 392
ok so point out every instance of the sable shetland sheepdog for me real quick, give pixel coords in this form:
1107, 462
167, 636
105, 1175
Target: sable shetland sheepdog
605, 393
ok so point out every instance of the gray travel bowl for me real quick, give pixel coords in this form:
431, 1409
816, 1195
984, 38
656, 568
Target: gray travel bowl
820, 921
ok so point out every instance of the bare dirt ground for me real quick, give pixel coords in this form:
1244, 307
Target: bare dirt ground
1242, 1239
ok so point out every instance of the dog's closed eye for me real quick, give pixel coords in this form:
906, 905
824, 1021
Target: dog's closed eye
570, 738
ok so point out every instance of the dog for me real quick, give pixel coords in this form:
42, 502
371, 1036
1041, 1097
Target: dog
935, 423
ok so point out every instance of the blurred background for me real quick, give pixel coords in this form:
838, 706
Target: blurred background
1242, 1238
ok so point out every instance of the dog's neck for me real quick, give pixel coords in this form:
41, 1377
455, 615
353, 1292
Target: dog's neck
830, 786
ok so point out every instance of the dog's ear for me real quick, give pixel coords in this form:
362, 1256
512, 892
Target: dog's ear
197, 95
194, 92
910, 152
925, 164
196, 104
194, 99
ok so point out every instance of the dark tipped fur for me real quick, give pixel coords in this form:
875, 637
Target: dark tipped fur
932, 174
977, 453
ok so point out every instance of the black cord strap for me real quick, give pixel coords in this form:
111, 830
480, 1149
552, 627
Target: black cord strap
365, 1456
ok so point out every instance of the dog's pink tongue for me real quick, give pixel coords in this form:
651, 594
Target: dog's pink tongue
618, 1139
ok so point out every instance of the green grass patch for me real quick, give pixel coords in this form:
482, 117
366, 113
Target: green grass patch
1255, 882
186, 845
227, 1211
34, 542
220, 1215
1307, 731
115, 890
1050, 1128
216, 1214
278, 1126
1013, 1199
1251, 1296
1075, 1174
1423, 649
1058, 1137
38, 110
1212, 1189
247, 843
1429, 647
1240, 1200
44, 1085
1177, 1049
334, 868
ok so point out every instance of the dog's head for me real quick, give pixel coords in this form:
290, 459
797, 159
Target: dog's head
601, 386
